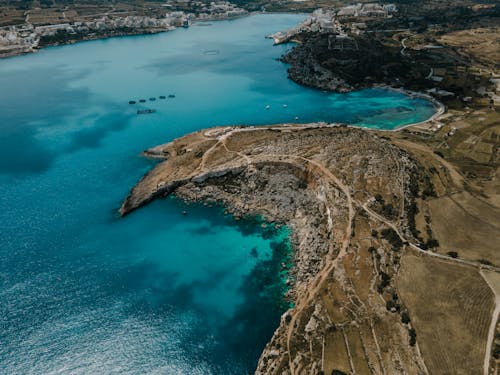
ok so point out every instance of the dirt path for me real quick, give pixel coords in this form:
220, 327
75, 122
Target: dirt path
427, 252
320, 278
493, 323
325, 272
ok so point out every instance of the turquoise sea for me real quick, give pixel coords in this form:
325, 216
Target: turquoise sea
158, 292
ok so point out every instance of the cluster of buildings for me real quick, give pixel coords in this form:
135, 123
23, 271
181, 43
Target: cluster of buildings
174, 19
328, 21
321, 20
218, 10
206, 11
367, 10
26, 38
16, 40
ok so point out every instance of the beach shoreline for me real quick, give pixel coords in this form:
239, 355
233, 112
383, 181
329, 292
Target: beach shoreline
438, 105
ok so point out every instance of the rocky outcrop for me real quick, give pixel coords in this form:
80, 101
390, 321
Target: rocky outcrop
344, 63
306, 70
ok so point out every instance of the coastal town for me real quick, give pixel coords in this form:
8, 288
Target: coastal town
36, 32
329, 21
336, 48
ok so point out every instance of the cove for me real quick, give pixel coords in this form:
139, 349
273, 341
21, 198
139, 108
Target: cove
83, 291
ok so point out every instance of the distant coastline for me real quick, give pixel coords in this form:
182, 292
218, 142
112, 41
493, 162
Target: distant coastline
19, 50
188, 20
16, 40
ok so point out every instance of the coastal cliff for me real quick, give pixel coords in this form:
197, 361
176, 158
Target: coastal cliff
333, 199
342, 64
369, 285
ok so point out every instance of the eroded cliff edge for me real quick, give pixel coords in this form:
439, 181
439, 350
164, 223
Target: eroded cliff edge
363, 277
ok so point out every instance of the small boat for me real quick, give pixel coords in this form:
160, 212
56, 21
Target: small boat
162, 96
142, 100
171, 96
145, 111
152, 99
285, 105
296, 117
268, 106
132, 102
211, 52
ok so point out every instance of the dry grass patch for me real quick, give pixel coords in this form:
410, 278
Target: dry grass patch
450, 307
481, 43
361, 272
366, 335
336, 356
473, 233
479, 208
491, 188
357, 351
420, 222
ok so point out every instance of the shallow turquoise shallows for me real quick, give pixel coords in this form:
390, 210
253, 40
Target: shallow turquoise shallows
85, 292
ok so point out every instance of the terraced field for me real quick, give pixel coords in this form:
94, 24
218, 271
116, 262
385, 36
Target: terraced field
451, 307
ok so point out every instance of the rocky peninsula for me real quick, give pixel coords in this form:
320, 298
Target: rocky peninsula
307, 177
351, 198
364, 45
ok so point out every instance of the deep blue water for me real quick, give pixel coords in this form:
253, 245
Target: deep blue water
83, 291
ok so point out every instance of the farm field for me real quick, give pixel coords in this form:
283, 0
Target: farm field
466, 225
450, 306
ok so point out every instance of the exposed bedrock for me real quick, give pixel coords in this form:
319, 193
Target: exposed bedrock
334, 187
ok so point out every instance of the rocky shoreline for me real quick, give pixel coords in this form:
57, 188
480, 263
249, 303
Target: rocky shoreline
307, 177
306, 70
340, 53
314, 64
